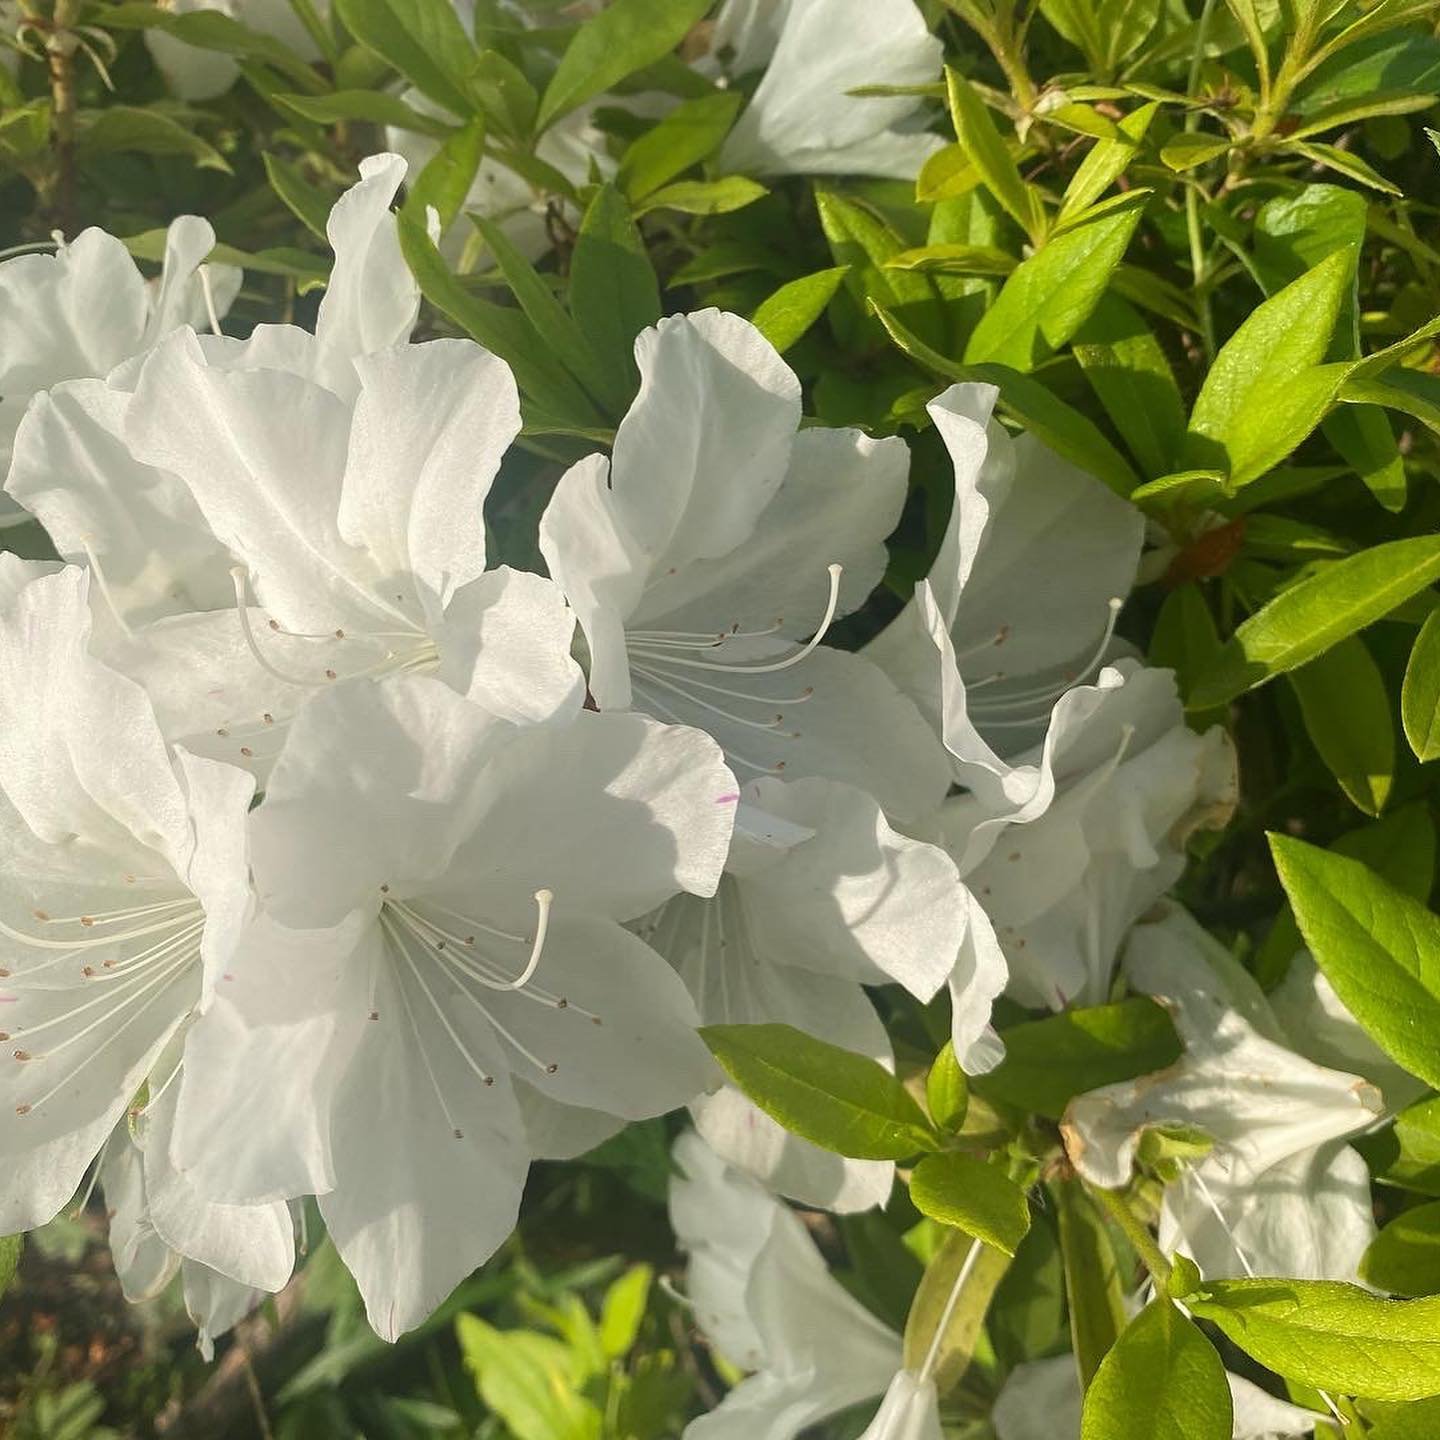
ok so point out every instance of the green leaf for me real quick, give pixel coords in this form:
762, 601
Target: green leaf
1407, 1155
623, 1310
562, 337
1378, 947
1347, 163
1027, 1318
1410, 391
785, 315
1060, 426
955, 260
834, 1098
1048, 1062
989, 154
1308, 618
1190, 148
1184, 1278
614, 294
947, 1091
1093, 1288
1106, 162
1332, 1336
508, 333
308, 203
1162, 1381
625, 37
1264, 366
963, 1320
374, 107
1346, 709
972, 1196
445, 181
424, 40
529, 1380
1420, 694
121, 128
10, 1248
1053, 293
704, 197
1132, 379
690, 132
1185, 638
1404, 1258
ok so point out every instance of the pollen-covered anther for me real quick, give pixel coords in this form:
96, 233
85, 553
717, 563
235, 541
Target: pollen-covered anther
22, 1109
23, 1055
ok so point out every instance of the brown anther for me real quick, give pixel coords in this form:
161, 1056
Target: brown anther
329, 674
87, 971
339, 634
469, 939
247, 752
489, 1079
562, 1003
275, 625
458, 1134
22, 1054
4, 974
385, 889
596, 1020
22, 1109
551, 1069
223, 733
374, 1014
268, 718
40, 914
87, 921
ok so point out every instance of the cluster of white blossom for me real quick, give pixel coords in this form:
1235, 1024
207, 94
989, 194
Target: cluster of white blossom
342, 866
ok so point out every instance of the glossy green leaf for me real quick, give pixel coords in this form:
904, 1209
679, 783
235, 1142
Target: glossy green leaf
1053, 293
1335, 1337
1106, 162
973, 1196
1404, 1258
444, 182
144, 131
1420, 694
1346, 709
1048, 1062
1378, 947
424, 40
703, 197
1412, 392
989, 154
1190, 148
623, 1310
374, 107
308, 203
947, 1091
1308, 618
690, 132
529, 1380
834, 1098
625, 37
1161, 1381
784, 316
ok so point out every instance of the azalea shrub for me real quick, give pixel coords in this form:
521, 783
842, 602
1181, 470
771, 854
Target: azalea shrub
716, 719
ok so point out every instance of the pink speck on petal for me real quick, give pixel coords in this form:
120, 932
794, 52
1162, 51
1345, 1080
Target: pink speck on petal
227, 976
728, 799
8, 999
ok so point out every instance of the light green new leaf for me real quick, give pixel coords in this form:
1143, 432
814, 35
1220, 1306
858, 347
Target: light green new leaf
529, 1380
947, 1090
1378, 948
990, 155
424, 40
1130, 375
973, 1196
1048, 1062
1346, 709
1188, 149
690, 132
966, 1319
1335, 1337
1093, 1288
783, 317
1161, 1381
834, 1098
1346, 162
1106, 162
704, 197
1318, 612
1420, 694
623, 38
1404, 1258
1053, 293
623, 1310
1281, 341
1412, 392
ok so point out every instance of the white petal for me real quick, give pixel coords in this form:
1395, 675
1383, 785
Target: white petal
178, 296
1040, 1400
561, 1132
431, 424
977, 981
371, 300
802, 117
1260, 1416
215, 1303
505, 642
416, 1206
144, 1264
909, 1411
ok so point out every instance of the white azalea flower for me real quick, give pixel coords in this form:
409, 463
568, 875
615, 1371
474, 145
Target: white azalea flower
193, 73
802, 118
1279, 1194
820, 897
138, 525
1021, 600
1042, 1400
766, 1299
123, 894
909, 1411
1124, 784
454, 891
696, 559
83, 310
